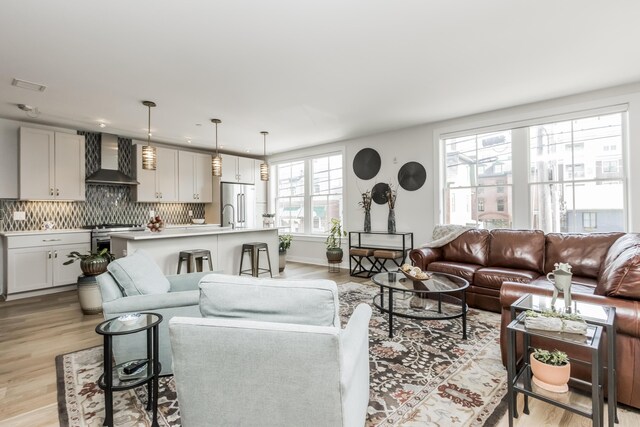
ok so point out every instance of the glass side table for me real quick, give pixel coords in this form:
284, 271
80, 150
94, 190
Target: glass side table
115, 378
593, 314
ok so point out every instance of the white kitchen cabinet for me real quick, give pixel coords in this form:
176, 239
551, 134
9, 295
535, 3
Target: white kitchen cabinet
237, 169
160, 185
52, 165
195, 177
34, 261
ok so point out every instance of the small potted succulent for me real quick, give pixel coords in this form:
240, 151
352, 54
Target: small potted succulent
551, 369
285, 243
92, 263
334, 241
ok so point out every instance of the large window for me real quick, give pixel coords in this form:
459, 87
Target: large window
309, 194
479, 165
576, 175
570, 176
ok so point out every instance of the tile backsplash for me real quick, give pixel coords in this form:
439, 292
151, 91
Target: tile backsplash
104, 203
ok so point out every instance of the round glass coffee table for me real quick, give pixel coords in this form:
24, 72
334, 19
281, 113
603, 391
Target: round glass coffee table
422, 299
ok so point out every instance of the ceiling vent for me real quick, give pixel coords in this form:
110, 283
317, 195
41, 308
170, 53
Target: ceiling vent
28, 85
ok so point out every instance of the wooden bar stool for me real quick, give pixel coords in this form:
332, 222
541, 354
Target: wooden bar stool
254, 249
194, 259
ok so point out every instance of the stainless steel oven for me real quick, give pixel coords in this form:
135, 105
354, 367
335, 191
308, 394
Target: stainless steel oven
101, 234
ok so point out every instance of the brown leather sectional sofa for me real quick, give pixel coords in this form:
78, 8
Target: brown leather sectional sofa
503, 265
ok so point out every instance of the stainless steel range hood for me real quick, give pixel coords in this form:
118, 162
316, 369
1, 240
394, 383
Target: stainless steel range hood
108, 173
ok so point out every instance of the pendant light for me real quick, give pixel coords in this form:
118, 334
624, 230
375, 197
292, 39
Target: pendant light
264, 167
149, 155
216, 162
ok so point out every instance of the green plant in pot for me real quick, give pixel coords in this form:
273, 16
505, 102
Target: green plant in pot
334, 241
551, 369
91, 263
285, 243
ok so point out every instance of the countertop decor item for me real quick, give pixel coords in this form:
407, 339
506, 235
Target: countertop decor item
156, 224
551, 370
149, 155
268, 220
197, 220
366, 163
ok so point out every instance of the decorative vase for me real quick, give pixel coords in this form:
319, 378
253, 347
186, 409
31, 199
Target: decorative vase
549, 377
89, 295
94, 266
391, 221
367, 221
282, 261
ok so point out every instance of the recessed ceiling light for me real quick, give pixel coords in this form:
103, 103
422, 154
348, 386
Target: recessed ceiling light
198, 124
247, 150
102, 125
189, 140
28, 85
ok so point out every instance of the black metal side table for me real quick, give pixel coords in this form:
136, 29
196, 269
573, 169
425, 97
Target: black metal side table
111, 380
593, 314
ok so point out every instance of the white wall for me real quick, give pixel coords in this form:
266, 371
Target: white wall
419, 211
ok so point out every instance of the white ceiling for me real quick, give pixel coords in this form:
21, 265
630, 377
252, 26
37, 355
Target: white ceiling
308, 72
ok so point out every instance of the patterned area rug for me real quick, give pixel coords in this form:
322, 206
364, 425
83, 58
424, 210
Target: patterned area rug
426, 375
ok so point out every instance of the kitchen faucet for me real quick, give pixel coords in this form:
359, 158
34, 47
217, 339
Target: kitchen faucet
233, 214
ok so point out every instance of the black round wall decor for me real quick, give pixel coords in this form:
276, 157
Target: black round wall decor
412, 176
366, 164
379, 193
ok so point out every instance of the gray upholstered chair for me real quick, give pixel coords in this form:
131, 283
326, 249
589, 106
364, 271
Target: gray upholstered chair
134, 284
271, 353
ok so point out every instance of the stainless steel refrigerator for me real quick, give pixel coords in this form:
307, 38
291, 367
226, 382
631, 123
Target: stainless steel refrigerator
242, 197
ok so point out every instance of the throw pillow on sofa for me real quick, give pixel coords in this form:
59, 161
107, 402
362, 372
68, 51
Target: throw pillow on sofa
138, 274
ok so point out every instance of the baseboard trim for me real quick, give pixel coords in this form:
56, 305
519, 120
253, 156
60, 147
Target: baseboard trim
39, 292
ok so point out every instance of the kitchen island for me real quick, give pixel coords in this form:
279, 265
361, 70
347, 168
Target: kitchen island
224, 243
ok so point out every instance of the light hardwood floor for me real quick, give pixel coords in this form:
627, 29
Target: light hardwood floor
34, 330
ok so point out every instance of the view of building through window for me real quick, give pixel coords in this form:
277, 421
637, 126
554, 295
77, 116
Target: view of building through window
575, 176
309, 194
479, 165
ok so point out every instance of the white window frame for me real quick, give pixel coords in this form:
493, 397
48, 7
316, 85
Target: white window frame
308, 186
518, 124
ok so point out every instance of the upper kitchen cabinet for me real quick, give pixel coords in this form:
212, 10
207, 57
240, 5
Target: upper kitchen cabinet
237, 169
52, 165
160, 185
195, 177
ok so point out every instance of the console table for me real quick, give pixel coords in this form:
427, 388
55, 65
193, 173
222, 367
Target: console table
363, 246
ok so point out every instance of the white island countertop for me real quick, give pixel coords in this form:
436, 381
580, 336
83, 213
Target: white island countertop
224, 243
186, 231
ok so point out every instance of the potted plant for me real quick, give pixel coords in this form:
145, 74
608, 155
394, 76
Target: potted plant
334, 241
92, 263
285, 243
551, 369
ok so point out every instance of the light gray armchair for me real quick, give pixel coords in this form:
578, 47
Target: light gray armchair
134, 284
273, 355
